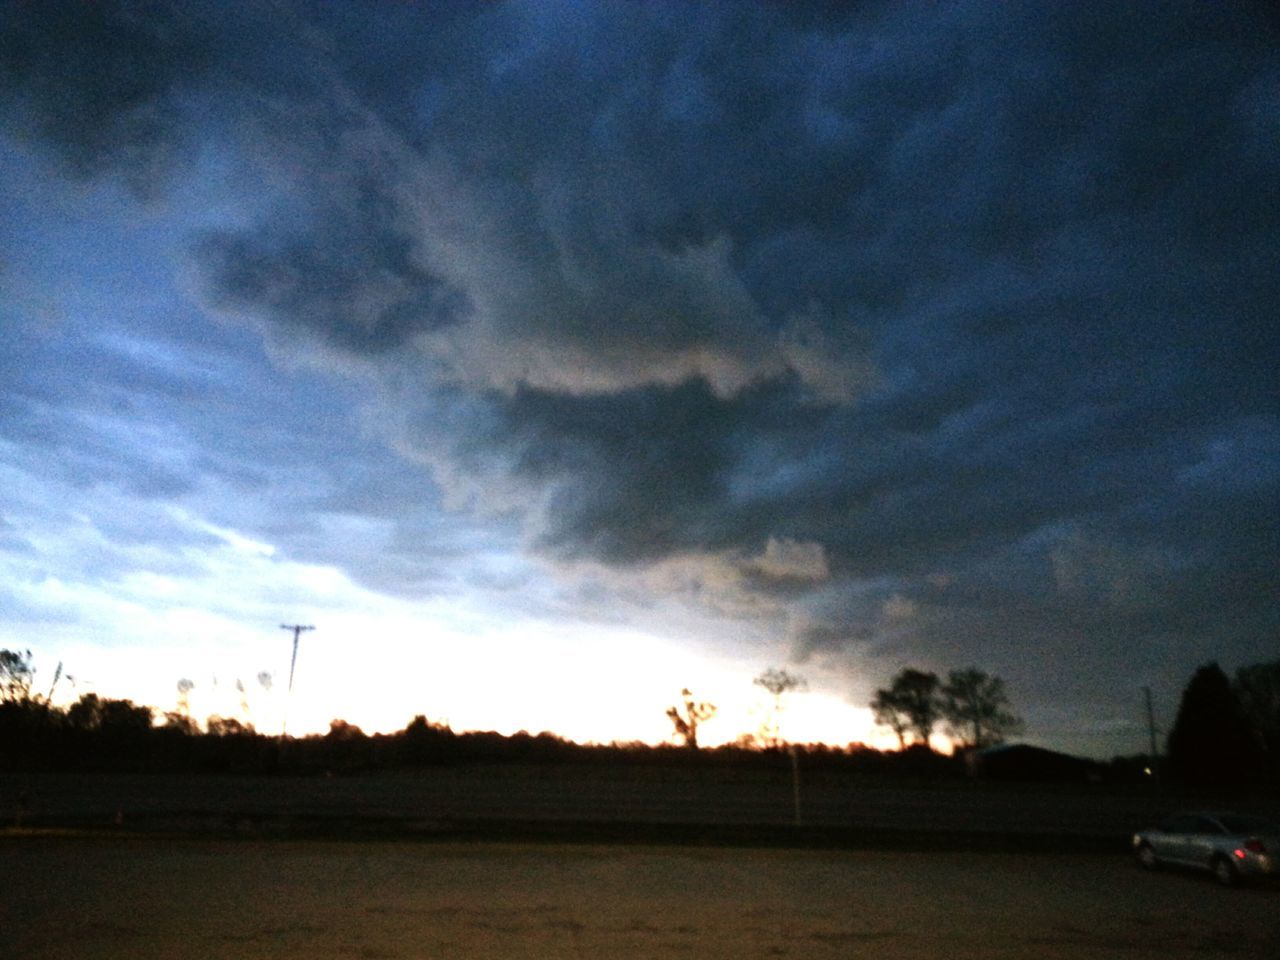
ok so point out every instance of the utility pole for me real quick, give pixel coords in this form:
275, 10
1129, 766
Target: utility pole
1151, 731
57, 675
298, 630
795, 781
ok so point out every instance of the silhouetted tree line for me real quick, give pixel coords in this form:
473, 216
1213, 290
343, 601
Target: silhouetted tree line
97, 734
972, 703
102, 735
1227, 732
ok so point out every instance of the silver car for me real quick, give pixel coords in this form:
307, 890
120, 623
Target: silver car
1231, 845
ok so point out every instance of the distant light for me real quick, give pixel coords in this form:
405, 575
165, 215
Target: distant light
1147, 771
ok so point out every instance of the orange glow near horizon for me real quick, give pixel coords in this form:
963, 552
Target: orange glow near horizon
531, 679
376, 662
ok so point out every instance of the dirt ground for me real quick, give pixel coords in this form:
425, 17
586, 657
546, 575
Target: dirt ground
152, 898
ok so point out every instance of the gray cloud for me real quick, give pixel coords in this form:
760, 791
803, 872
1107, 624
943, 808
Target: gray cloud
347, 274
978, 302
99, 84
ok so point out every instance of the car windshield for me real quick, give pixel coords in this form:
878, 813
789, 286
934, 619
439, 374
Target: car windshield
1235, 823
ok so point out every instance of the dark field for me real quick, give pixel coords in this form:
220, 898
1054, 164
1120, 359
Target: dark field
709, 865
147, 897
647, 802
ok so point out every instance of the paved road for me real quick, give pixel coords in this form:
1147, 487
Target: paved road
141, 898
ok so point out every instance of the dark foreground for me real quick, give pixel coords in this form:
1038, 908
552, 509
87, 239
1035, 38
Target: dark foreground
552, 803
143, 897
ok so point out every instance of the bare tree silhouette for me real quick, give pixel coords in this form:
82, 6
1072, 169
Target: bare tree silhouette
686, 717
778, 683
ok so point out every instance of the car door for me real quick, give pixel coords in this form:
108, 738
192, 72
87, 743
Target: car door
1177, 838
1201, 844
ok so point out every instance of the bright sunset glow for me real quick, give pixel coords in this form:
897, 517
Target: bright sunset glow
384, 663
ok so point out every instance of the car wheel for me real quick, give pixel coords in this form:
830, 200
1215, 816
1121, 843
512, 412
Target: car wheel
1224, 871
1147, 858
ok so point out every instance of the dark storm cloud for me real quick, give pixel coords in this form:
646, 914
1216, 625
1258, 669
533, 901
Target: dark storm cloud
352, 279
98, 83
979, 301
639, 474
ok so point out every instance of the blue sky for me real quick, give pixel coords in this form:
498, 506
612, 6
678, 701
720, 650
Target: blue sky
551, 357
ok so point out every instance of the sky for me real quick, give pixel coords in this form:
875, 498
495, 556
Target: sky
550, 357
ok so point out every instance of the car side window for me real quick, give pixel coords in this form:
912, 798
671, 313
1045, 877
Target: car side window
1181, 824
1206, 825
1247, 824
